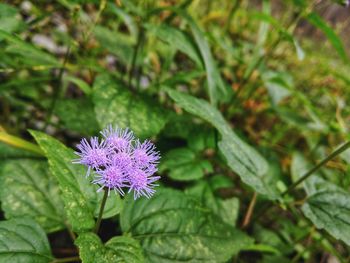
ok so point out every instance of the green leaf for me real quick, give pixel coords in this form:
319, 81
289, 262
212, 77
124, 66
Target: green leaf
216, 87
29, 54
78, 193
10, 20
184, 165
23, 240
226, 209
241, 158
116, 105
29, 190
315, 183
77, 115
330, 210
318, 21
278, 85
193, 233
120, 249
115, 42
177, 39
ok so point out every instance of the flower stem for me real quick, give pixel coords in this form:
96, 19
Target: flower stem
62, 260
103, 204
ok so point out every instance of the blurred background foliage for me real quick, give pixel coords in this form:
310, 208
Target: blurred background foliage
277, 70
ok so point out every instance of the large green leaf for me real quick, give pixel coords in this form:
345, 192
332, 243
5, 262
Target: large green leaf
330, 210
242, 158
174, 228
115, 104
29, 190
120, 249
78, 193
23, 240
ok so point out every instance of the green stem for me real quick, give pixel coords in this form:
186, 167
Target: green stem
316, 167
341, 149
103, 204
62, 260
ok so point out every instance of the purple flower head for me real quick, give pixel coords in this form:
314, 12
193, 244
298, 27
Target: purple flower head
94, 154
145, 154
142, 183
120, 161
112, 177
119, 139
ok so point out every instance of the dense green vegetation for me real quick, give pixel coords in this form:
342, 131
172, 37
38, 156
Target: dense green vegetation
246, 102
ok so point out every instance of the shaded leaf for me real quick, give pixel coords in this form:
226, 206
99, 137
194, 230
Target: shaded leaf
77, 115
241, 158
23, 240
194, 234
29, 190
116, 105
184, 165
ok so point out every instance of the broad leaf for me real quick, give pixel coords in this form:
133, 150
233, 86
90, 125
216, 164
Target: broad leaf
119, 249
330, 210
242, 158
115, 104
78, 193
172, 227
23, 240
29, 190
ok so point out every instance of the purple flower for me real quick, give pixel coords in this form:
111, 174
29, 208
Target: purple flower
121, 161
94, 154
112, 177
142, 182
145, 154
119, 139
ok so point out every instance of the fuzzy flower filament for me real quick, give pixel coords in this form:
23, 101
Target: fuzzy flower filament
120, 161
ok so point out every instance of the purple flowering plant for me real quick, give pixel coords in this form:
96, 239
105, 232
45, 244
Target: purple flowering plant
119, 161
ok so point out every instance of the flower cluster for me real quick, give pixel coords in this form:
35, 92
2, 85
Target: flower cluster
119, 160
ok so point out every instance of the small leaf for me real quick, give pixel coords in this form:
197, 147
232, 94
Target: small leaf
119, 249
177, 39
116, 105
226, 209
29, 190
23, 240
183, 165
193, 233
330, 210
242, 158
78, 193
